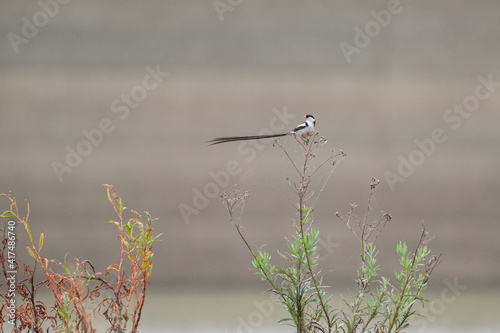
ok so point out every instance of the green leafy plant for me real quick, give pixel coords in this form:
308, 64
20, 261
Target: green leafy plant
390, 306
82, 293
379, 305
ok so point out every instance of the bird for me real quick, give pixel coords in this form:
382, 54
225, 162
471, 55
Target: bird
303, 130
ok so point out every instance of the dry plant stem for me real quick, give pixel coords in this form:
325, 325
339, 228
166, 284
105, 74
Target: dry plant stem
232, 204
309, 147
136, 268
72, 290
116, 203
54, 281
369, 230
368, 234
233, 201
32, 295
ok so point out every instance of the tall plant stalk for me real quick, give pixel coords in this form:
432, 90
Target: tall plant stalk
299, 285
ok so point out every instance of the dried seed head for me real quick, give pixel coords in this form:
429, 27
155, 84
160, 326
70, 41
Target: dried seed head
374, 183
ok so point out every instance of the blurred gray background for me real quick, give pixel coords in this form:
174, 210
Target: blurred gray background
416, 68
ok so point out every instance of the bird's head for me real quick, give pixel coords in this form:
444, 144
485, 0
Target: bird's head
310, 118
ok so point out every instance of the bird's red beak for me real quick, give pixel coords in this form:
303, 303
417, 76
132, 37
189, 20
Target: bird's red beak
305, 117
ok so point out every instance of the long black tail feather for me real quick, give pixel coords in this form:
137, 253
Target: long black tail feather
225, 139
